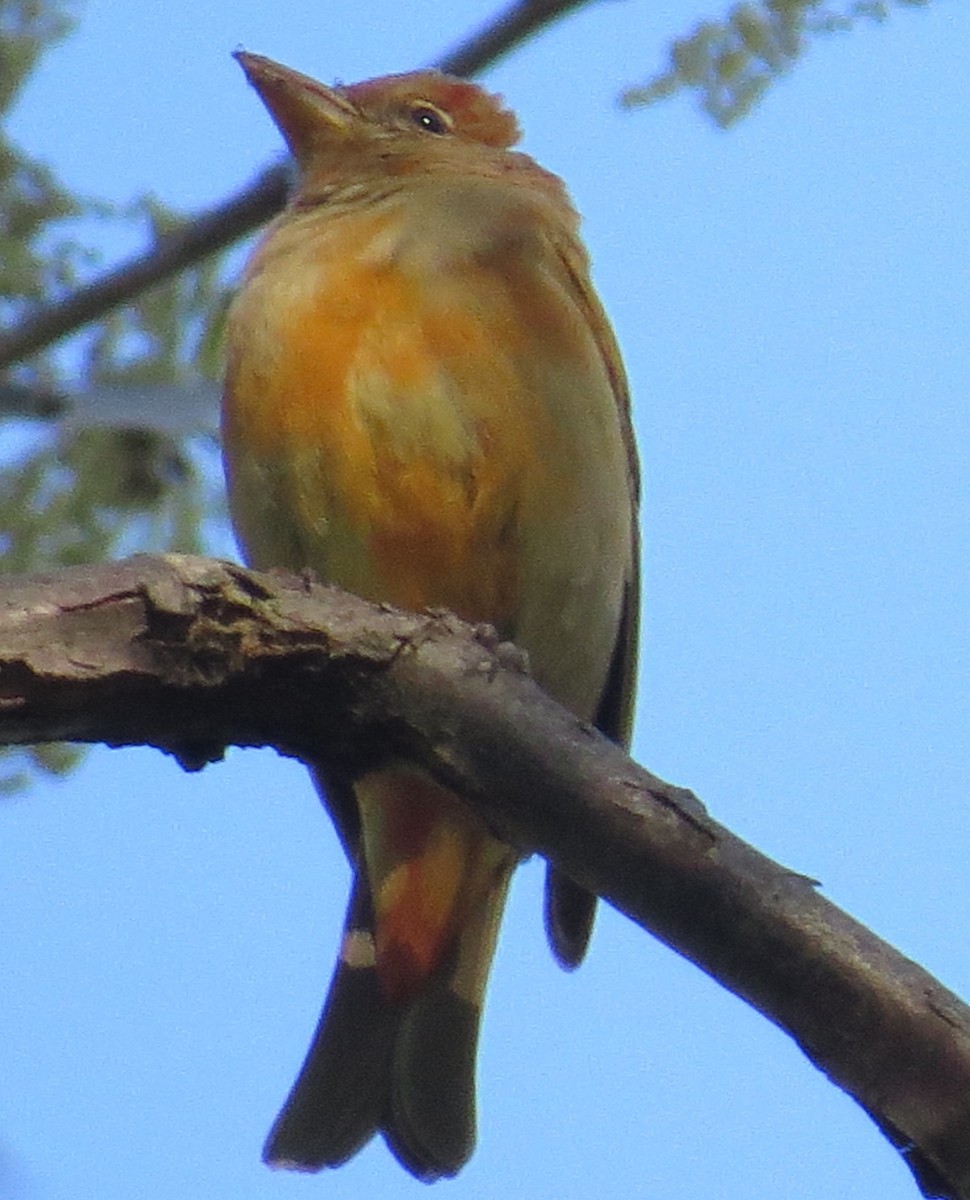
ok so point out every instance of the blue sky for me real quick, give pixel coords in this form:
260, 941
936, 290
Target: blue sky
791, 302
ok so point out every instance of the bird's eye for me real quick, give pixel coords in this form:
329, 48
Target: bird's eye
430, 119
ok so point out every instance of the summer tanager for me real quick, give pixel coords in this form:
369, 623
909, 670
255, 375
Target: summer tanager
425, 404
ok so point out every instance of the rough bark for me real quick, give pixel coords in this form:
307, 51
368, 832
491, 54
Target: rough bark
191, 655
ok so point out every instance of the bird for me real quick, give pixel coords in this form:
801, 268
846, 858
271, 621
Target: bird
425, 404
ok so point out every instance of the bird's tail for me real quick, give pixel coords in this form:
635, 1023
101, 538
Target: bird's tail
404, 1068
337, 1101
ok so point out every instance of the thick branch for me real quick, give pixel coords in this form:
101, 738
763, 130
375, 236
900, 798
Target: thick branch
225, 223
191, 655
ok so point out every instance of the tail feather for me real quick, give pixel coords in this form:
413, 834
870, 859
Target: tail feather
430, 1123
430, 1120
337, 1102
406, 1070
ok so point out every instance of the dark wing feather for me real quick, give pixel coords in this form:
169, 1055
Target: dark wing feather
569, 908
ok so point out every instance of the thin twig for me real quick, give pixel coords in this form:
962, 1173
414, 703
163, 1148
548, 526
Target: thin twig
188, 244
226, 223
516, 25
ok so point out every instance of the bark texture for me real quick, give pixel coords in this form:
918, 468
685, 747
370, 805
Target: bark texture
191, 655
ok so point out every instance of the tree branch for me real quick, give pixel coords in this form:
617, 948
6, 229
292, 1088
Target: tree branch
190, 655
503, 33
225, 223
178, 250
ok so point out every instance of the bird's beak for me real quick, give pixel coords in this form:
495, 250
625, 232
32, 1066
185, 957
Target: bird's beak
309, 114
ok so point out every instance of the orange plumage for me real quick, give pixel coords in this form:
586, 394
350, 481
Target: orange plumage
424, 403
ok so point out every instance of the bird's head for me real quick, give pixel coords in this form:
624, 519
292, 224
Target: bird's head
423, 122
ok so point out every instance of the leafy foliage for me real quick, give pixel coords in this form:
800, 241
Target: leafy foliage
731, 63
32, 203
80, 495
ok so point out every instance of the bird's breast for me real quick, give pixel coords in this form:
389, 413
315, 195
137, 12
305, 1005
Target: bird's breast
389, 434
425, 437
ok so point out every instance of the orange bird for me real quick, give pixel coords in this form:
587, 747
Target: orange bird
425, 404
